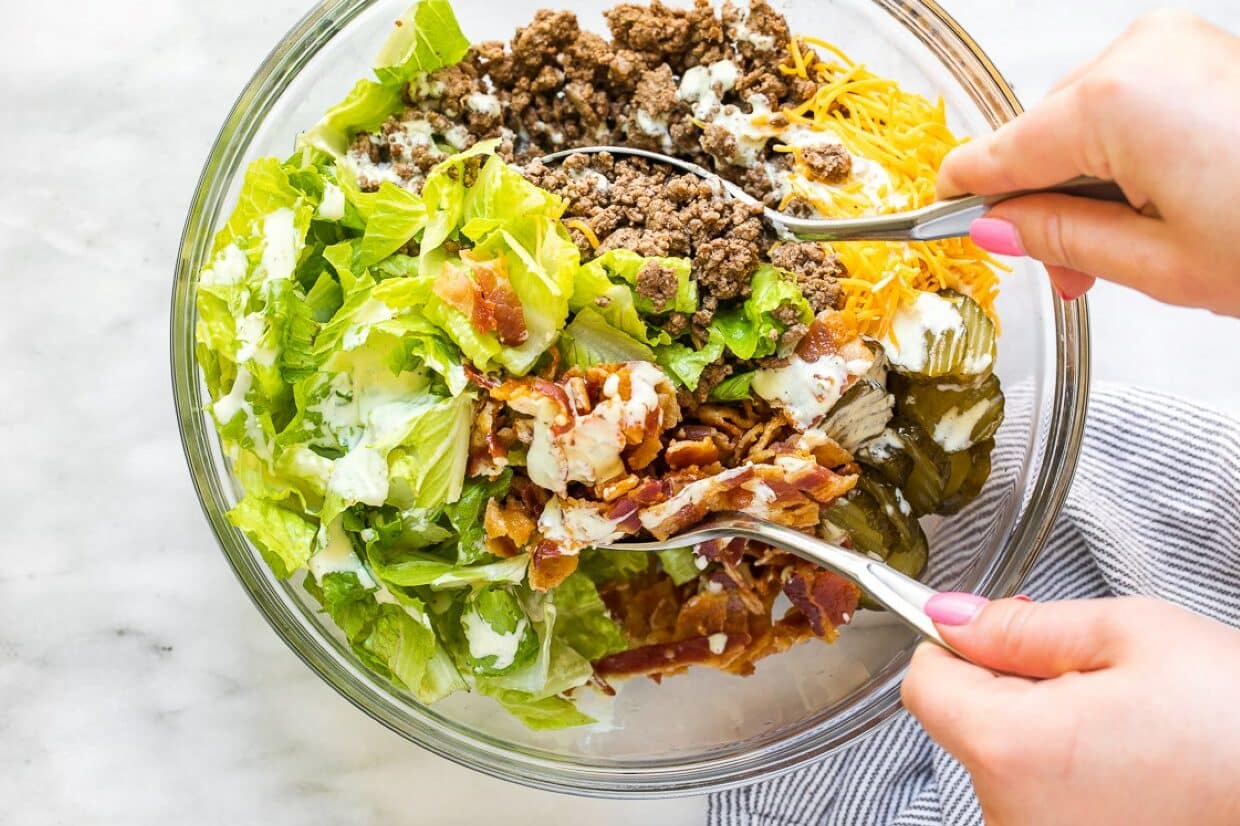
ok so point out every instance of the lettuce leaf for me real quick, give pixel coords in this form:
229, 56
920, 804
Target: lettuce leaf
425, 38
750, 330
417, 569
685, 364
603, 566
394, 640
284, 538
733, 388
542, 714
590, 340
397, 216
466, 515
583, 620
365, 108
679, 564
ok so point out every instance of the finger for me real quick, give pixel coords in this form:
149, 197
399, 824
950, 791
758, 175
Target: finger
954, 701
1069, 283
1035, 639
1106, 240
1054, 141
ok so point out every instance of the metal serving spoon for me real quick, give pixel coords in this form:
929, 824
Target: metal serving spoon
949, 218
902, 595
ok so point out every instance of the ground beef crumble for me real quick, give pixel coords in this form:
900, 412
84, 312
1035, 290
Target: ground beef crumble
817, 271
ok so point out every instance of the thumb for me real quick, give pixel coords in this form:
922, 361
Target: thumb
1034, 639
1103, 239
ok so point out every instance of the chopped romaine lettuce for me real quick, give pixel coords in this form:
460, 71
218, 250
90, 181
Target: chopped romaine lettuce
425, 38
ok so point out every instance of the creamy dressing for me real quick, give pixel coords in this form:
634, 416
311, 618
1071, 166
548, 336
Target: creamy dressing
717, 643
807, 390
763, 497
649, 125
588, 449
283, 243
573, 526
229, 267
750, 139
954, 431
482, 104
373, 311
361, 475
234, 402
742, 32
485, 641
884, 445
250, 331
331, 208
703, 86
913, 326
336, 555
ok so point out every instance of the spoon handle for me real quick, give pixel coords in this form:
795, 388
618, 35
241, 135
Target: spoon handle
950, 218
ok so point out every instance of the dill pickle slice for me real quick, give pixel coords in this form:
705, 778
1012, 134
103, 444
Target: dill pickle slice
861, 414
885, 455
956, 416
974, 481
923, 486
964, 350
911, 550
978, 356
862, 518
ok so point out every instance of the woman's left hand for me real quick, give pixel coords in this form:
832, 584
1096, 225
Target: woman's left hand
1132, 714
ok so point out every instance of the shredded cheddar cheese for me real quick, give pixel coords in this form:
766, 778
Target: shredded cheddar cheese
584, 228
908, 137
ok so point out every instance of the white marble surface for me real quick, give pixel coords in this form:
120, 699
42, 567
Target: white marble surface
137, 683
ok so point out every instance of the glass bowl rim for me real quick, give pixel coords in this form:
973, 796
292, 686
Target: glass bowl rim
601, 778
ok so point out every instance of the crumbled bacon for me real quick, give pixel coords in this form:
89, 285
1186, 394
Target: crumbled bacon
508, 526
682, 453
826, 599
481, 291
829, 333
670, 658
549, 567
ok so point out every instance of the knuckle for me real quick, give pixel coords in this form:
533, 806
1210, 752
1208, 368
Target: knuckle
1011, 627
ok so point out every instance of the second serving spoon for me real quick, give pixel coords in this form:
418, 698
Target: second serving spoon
949, 218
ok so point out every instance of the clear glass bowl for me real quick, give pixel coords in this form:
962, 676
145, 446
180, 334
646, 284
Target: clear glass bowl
704, 730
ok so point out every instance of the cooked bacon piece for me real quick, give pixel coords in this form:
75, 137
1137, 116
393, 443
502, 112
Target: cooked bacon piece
825, 450
669, 658
484, 458
487, 298
826, 599
683, 453
819, 483
727, 551
828, 334
549, 567
508, 526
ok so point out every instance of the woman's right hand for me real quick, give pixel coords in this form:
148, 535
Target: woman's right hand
1159, 113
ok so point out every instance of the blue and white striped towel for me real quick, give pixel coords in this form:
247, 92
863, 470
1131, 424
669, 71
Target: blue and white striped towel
1154, 509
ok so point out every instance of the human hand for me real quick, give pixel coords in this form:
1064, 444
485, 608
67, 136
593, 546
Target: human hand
1158, 112
1136, 717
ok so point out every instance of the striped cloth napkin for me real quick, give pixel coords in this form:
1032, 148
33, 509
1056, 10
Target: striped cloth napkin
1154, 509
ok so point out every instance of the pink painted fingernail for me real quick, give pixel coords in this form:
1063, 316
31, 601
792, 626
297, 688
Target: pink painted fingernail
1023, 598
954, 608
997, 236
